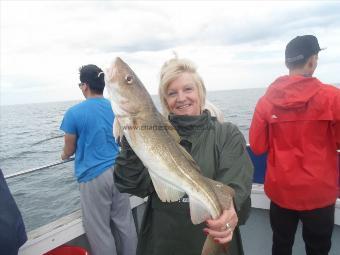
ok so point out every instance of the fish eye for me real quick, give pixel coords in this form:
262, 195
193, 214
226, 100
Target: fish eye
129, 78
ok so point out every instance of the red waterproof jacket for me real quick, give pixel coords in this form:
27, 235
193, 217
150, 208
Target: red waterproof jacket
298, 122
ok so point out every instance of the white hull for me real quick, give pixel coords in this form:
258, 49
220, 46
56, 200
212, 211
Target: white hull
261, 201
67, 228
61, 231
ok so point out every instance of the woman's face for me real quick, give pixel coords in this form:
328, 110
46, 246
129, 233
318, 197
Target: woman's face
182, 96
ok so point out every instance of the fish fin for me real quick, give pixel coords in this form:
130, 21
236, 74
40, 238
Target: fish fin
170, 128
173, 133
223, 192
198, 212
165, 191
117, 130
210, 247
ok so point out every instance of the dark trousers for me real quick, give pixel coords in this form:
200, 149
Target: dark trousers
12, 228
317, 229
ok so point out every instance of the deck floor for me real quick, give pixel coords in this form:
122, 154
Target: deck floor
257, 236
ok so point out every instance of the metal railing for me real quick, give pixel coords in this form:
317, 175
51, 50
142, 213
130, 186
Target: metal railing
38, 168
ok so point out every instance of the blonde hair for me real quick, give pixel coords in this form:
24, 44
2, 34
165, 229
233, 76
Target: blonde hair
214, 111
170, 71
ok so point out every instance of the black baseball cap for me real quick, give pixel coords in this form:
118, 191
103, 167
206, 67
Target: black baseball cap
301, 48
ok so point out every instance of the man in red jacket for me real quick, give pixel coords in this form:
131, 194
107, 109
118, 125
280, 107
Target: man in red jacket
297, 122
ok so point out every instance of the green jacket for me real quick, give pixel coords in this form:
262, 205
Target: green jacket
220, 151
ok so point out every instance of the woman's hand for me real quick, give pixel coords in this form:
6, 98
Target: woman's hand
222, 228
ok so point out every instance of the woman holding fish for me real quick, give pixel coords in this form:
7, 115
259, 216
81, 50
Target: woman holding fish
183, 189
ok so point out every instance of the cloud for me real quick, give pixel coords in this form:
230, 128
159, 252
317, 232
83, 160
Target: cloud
235, 44
101, 27
271, 24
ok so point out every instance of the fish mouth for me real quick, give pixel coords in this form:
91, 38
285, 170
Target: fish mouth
119, 102
111, 74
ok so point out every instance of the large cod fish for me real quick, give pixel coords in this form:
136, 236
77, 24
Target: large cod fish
173, 171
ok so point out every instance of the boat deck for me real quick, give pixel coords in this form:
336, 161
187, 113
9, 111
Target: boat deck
257, 236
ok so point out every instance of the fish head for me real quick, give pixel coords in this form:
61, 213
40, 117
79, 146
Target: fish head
127, 93
124, 88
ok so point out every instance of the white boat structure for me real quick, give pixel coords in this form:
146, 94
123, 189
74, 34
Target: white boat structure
69, 229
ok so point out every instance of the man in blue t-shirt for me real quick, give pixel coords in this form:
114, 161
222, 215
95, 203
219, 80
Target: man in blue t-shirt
88, 134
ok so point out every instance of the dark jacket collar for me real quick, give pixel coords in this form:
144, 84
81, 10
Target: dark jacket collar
188, 125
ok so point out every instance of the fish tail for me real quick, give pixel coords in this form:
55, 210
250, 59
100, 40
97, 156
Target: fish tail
212, 248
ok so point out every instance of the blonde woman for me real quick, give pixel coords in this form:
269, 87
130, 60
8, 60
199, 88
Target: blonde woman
220, 151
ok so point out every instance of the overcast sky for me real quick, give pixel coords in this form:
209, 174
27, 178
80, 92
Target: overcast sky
235, 45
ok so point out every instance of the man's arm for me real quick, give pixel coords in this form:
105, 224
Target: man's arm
337, 119
69, 146
337, 134
258, 132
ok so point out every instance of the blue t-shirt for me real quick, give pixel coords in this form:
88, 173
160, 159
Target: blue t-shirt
91, 121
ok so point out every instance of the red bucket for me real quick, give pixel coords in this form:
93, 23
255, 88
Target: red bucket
68, 250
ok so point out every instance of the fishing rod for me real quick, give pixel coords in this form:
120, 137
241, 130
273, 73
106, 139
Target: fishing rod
47, 139
38, 168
